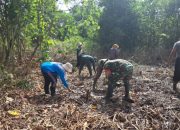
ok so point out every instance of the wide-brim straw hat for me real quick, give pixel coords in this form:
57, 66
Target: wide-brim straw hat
115, 46
68, 67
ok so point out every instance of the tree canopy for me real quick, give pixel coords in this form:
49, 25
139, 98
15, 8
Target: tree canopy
132, 24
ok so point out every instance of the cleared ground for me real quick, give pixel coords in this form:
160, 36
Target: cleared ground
156, 107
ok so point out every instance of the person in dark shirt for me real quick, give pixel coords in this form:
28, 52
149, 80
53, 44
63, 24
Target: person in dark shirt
84, 60
78, 52
175, 51
114, 52
52, 70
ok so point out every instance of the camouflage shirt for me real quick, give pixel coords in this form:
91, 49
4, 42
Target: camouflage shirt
119, 68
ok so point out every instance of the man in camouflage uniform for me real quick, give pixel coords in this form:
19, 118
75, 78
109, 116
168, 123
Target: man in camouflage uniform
114, 71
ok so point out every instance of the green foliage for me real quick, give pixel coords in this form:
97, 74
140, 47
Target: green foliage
118, 24
71, 43
157, 22
12, 22
24, 84
5, 77
81, 21
87, 18
38, 25
1, 68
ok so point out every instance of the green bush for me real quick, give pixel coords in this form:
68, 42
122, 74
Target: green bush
24, 84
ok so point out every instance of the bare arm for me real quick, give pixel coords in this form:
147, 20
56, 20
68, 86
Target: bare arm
173, 51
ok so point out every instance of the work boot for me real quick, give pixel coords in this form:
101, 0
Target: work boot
128, 99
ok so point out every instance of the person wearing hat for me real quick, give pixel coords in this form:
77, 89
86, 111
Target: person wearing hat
114, 52
79, 52
115, 70
50, 72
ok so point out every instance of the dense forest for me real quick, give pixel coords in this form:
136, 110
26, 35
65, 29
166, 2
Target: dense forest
33, 31
138, 26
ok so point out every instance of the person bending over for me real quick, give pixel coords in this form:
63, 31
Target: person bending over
114, 71
51, 71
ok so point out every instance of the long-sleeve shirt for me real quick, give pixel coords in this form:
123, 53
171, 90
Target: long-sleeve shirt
113, 53
55, 67
119, 69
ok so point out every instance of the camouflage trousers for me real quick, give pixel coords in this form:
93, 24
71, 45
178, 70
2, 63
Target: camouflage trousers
114, 77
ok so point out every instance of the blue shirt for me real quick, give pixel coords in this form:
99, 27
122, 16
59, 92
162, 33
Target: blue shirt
55, 67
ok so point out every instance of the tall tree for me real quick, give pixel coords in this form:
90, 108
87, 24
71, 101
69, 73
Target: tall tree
80, 23
21, 19
172, 19
158, 22
85, 17
118, 23
12, 23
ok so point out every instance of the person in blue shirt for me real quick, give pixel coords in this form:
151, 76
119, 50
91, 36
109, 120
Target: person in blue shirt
51, 71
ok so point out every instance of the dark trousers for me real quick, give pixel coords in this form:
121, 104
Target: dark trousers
47, 81
176, 77
86, 60
112, 85
88, 64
